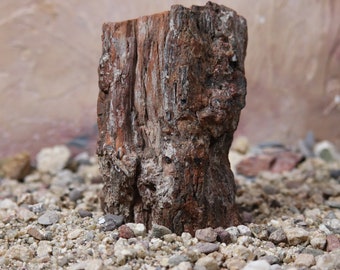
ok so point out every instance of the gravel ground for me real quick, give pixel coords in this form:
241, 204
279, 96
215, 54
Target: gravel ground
50, 218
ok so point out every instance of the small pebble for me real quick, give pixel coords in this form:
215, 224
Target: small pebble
25, 214
296, 236
48, 218
271, 259
36, 233
332, 242
170, 238
137, 228
177, 259
17, 166
257, 265
182, 266
158, 231
75, 194
124, 231
207, 263
44, 249
278, 236
235, 264
318, 240
110, 222
315, 252
305, 260
244, 230
7, 204
323, 228
223, 236
233, 232
53, 159
204, 247
21, 253
74, 234
333, 225
206, 235
84, 213
243, 253
37, 208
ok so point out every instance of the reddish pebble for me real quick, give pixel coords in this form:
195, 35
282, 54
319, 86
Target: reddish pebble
286, 161
223, 236
251, 166
332, 242
125, 232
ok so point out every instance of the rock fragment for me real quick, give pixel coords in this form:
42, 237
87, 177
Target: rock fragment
158, 231
278, 236
126, 232
206, 235
296, 235
207, 263
110, 222
74, 234
35, 232
53, 159
304, 260
16, 167
21, 253
332, 242
84, 213
137, 228
205, 247
48, 218
257, 265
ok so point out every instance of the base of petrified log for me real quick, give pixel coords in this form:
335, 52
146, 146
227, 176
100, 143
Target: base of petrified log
172, 86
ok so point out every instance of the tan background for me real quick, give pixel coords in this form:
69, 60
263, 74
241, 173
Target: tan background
49, 52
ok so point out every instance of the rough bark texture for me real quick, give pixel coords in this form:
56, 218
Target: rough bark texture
172, 86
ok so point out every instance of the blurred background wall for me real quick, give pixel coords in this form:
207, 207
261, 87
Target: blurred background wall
49, 53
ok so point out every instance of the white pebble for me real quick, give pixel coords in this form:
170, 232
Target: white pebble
53, 159
244, 230
74, 234
257, 265
137, 228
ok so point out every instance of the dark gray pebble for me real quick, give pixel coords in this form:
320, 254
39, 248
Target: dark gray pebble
278, 236
271, 259
84, 213
75, 195
335, 174
224, 237
110, 222
158, 231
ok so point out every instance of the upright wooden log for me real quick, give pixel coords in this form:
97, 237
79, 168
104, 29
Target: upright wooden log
172, 86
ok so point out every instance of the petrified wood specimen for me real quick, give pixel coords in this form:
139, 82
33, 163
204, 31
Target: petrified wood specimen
172, 86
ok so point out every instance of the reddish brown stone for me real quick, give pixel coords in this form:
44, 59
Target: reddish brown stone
16, 167
286, 161
276, 162
223, 236
253, 165
172, 86
332, 242
125, 232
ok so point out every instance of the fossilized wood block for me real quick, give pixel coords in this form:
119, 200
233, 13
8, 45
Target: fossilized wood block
172, 86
